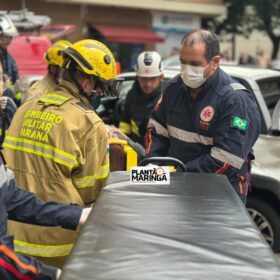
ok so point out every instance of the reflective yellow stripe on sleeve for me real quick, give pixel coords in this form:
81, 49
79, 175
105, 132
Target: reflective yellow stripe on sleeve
125, 128
18, 95
54, 99
89, 181
40, 149
134, 128
48, 251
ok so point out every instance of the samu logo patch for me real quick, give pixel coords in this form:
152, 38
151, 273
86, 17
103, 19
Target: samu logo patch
207, 114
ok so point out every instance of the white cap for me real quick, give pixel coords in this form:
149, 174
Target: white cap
148, 64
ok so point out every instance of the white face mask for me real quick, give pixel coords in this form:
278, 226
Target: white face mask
192, 76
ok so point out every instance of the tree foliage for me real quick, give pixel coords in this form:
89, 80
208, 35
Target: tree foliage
245, 16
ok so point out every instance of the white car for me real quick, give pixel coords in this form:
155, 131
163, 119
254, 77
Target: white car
264, 200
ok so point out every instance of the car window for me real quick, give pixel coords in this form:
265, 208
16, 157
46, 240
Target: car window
276, 119
126, 86
270, 88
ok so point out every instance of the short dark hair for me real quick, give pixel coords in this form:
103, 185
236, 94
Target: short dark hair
210, 39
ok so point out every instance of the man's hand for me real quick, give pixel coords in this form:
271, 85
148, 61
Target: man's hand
115, 132
84, 216
3, 102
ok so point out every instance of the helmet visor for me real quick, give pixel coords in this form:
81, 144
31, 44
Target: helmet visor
111, 87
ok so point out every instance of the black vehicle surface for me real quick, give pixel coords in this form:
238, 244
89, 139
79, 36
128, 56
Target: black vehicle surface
194, 228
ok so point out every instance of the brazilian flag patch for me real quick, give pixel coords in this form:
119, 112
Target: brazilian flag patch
239, 123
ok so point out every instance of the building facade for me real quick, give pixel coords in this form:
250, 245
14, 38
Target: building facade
127, 27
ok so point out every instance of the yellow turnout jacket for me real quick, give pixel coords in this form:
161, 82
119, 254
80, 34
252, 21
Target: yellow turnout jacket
57, 147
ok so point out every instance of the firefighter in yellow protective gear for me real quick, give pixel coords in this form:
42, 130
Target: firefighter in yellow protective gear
57, 146
49, 82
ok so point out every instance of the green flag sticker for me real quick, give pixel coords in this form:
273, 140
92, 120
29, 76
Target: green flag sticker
239, 123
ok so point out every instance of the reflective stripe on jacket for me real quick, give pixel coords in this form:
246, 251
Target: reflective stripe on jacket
58, 149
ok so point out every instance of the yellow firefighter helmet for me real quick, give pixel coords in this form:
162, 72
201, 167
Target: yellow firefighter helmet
93, 58
54, 54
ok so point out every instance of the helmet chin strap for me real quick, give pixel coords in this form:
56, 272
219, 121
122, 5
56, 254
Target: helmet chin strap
72, 70
94, 85
74, 79
81, 90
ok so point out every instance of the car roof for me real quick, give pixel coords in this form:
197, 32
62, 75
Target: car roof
243, 72
233, 71
168, 73
250, 72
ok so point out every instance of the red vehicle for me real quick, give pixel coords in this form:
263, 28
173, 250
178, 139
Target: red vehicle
57, 31
28, 52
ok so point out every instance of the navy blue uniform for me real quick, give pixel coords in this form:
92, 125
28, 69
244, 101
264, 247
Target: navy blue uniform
19, 205
9, 93
6, 116
213, 133
9, 65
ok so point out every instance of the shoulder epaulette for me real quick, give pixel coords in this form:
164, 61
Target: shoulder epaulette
83, 107
237, 86
55, 99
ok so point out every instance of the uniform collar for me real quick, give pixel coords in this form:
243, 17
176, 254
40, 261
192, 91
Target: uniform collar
71, 90
50, 79
212, 80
